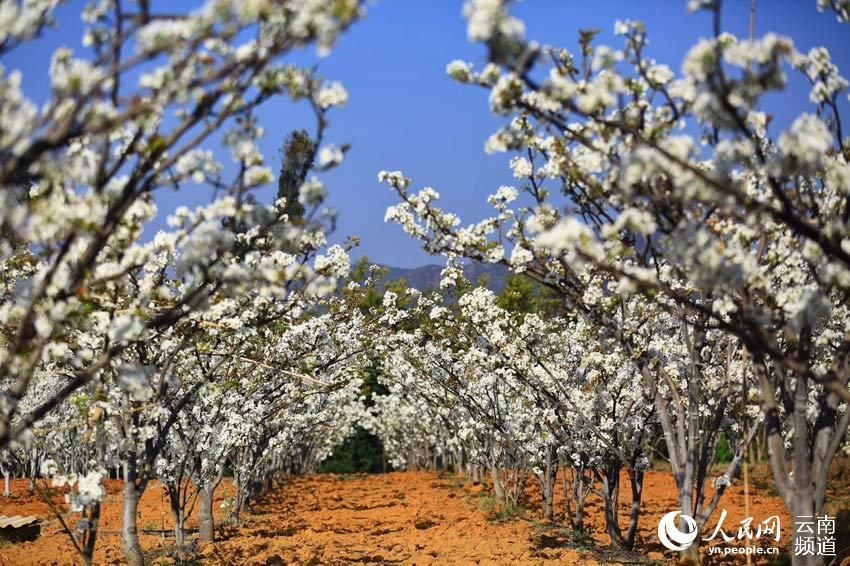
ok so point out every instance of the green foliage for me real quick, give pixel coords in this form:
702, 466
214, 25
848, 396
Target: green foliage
519, 295
724, 451
523, 295
297, 156
361, 453
499, 511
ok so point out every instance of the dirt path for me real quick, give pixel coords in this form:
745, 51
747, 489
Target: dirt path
410, 518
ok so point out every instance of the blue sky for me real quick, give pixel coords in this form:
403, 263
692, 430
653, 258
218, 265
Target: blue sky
405, 113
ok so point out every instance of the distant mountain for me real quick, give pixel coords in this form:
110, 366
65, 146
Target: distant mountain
428, 276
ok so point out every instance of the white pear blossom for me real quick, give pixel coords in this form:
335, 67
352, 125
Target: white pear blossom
331, 95
330, 156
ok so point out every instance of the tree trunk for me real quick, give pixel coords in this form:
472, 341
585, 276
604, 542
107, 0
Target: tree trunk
179, 534
241, 503
610, 496
636, 481
578, 495
548, 495
206, 524
803, 505
91, 535
130, 533
498, 489
690, 555
550, 475
33, 468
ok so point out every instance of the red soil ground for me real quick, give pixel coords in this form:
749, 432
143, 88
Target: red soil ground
54, 546
413, 518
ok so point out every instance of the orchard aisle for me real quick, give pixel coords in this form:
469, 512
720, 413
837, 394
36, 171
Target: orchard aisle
409, 518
